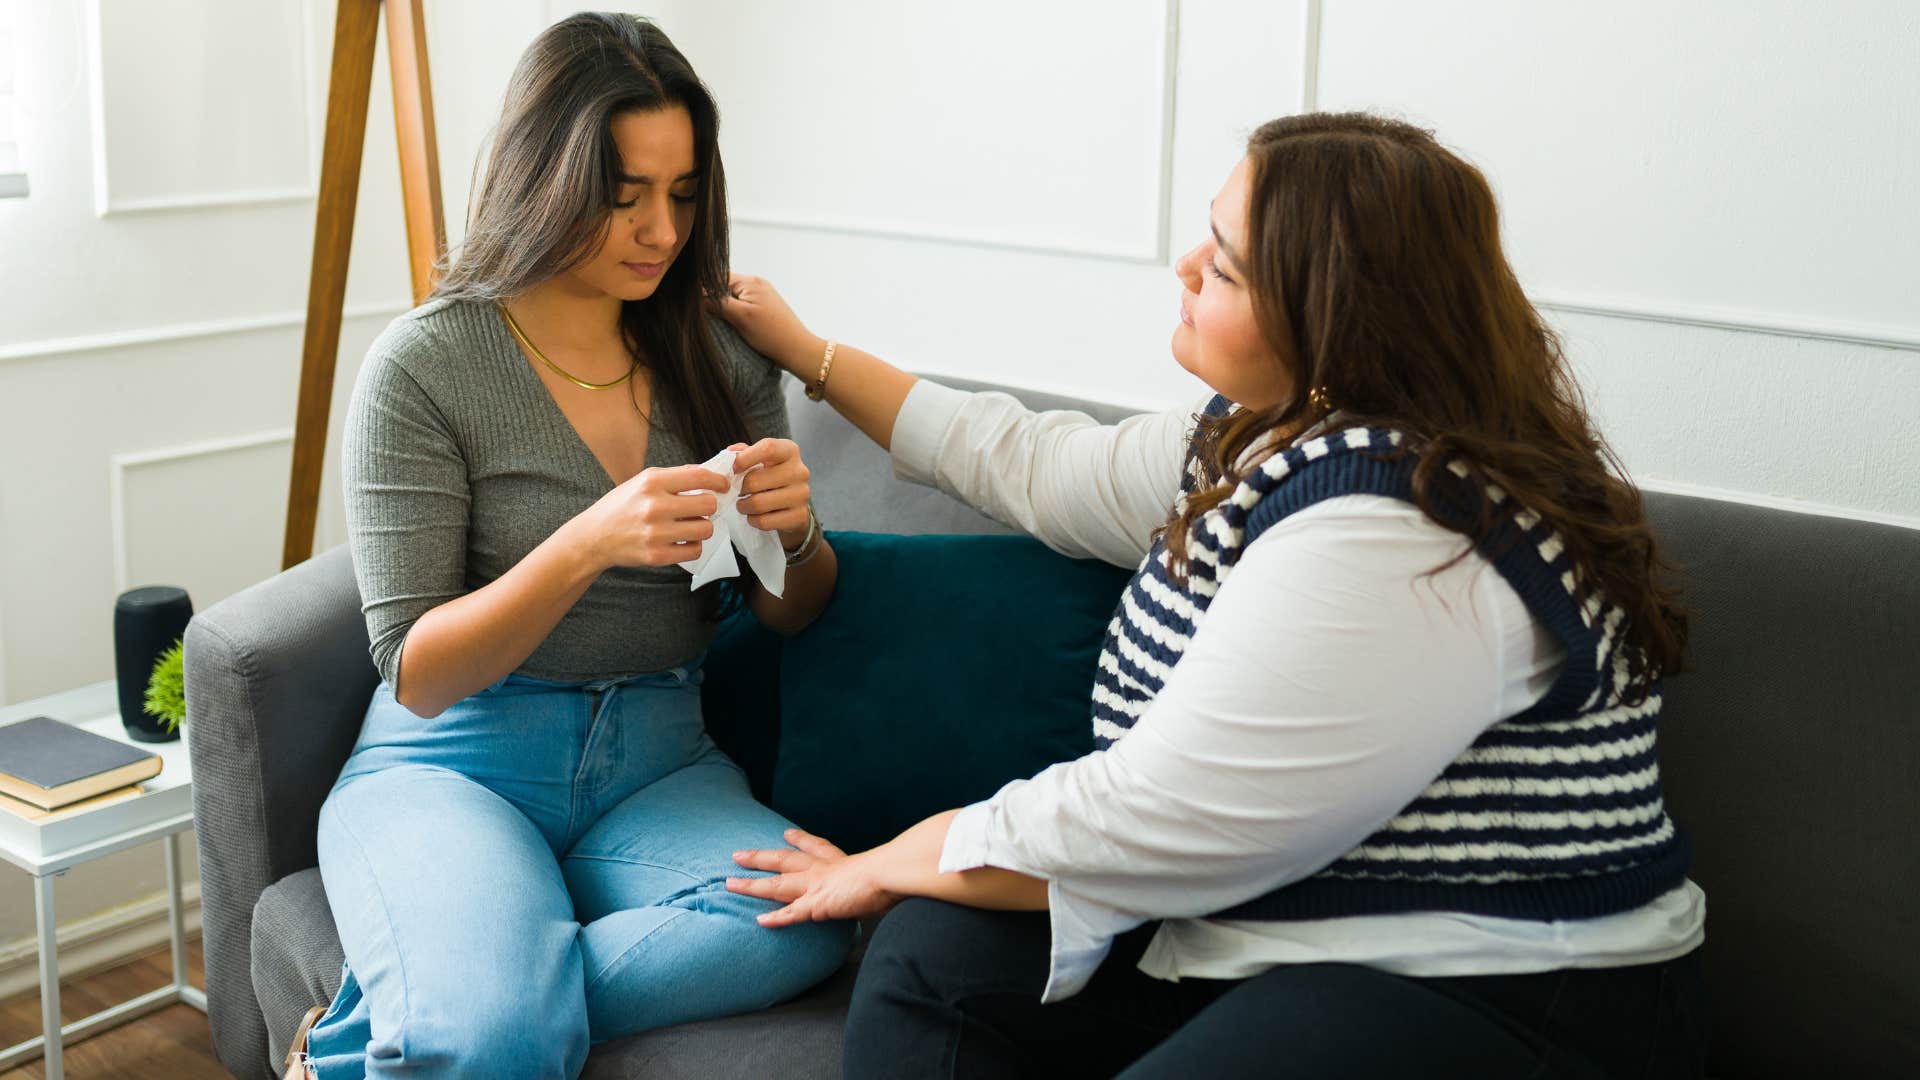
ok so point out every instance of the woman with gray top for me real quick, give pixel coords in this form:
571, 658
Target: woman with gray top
526, 852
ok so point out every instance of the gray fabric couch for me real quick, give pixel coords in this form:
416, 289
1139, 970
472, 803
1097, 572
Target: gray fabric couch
1792, 754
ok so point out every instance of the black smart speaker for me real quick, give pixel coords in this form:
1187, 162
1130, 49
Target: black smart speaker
146, 623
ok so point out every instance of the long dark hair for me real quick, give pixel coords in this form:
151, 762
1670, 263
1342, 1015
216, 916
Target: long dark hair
1374, 261
544, 202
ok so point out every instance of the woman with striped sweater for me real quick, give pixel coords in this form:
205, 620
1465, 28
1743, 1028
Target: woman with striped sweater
1376, 790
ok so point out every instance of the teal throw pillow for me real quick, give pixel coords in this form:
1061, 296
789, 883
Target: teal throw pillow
740, 696
944, 667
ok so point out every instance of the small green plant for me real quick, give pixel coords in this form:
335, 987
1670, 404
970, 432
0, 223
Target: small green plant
167, 687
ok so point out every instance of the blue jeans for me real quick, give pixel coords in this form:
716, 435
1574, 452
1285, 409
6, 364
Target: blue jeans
540, 867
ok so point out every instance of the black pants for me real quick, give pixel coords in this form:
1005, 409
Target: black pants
952, 992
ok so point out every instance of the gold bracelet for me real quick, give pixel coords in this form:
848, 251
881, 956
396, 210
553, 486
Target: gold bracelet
817, 389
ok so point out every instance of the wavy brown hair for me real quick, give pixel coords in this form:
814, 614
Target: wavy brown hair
546, 198
1376, 273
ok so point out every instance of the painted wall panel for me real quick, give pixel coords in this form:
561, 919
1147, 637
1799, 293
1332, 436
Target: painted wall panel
237, 68
1717, 156
999, 122
199, 516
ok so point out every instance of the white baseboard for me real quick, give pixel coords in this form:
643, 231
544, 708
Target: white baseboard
99, 941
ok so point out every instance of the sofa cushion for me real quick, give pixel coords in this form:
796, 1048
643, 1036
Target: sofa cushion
1790, 751
740, 697
944, 667
296, 954
798, 1040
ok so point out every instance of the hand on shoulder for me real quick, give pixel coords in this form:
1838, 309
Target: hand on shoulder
762, 317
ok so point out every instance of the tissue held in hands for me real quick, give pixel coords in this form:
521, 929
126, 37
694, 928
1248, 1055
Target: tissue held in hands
732, 530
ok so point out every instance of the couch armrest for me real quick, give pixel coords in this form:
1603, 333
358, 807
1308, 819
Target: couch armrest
278, 678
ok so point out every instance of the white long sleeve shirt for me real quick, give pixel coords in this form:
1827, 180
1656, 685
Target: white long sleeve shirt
1334, 677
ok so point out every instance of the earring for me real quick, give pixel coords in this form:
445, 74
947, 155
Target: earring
1317, 397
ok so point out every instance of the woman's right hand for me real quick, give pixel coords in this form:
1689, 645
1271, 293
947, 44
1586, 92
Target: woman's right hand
763, 318
659, 517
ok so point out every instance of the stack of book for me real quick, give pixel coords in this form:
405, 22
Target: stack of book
49, 769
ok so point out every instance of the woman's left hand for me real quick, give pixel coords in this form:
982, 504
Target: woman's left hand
774, 495
816, 881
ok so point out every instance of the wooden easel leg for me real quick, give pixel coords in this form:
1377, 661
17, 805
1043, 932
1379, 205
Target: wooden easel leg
356, 26
419, 157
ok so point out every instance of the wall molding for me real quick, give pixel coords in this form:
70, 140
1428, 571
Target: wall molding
105, 205
185, 331
1169, 109
894, 230
1310, 59
4, 698
98, 941
120, 464
1625, 307
1168, 76
1751, 322
202, 200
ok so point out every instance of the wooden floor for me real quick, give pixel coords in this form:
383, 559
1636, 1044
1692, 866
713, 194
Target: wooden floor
172, 1044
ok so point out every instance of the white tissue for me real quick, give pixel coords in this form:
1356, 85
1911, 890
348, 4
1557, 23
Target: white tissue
732, 530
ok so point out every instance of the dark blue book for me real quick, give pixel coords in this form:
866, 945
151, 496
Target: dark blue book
51, 764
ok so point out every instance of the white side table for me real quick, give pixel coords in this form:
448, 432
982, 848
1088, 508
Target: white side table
46, 849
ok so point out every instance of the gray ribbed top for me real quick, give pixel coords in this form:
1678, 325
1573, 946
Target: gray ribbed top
458, 462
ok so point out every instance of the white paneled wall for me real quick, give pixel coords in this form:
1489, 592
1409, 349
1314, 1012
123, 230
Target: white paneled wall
1714, 201
239, 68
1041, 151
151, 300
1711, 200
1724, 158
152, 293
993, 190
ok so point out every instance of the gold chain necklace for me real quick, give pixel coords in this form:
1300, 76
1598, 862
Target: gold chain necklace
521, 336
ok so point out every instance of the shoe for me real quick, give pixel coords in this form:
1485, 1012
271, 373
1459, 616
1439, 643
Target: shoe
296, 1060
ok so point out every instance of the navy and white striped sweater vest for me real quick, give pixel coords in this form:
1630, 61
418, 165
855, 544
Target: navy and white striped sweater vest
1555, 813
